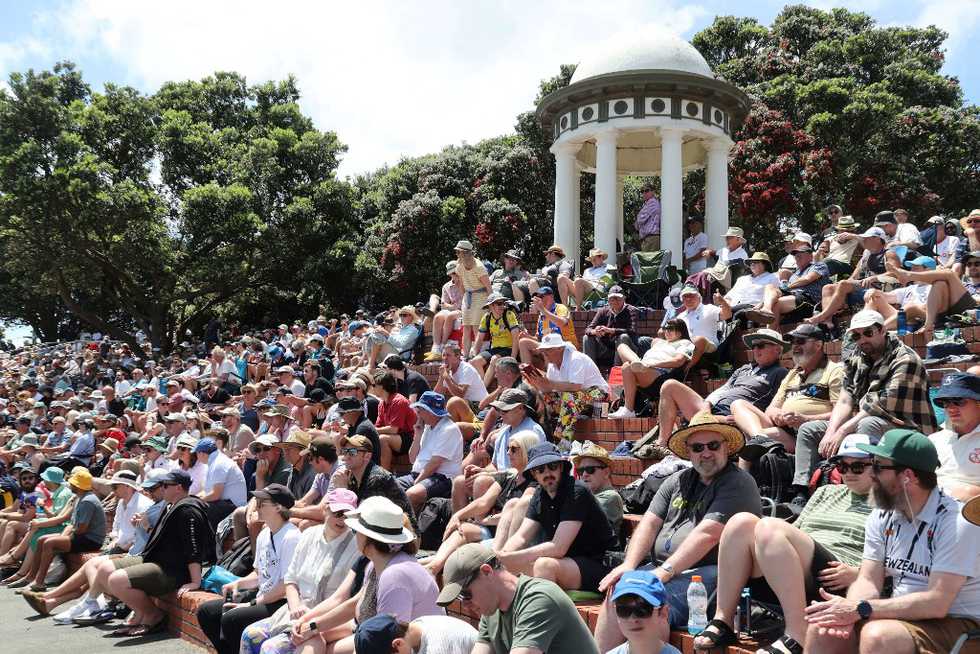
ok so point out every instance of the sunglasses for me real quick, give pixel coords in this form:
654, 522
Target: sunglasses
465, 594
261, 449
876, 467
856, 467
697, 448
588, 470
865, 333
351, 451
169, 484
554, 465
182, 448
641, 610
954, 401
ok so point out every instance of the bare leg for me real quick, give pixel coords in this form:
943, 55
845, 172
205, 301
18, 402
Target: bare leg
676, 398
749, 418
831, 305
390, 443
528, 346
582, 288
135, 599
877, 301
783, 553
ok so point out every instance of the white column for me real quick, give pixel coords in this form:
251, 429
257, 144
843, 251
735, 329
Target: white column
606, 226
576, 246
716, 192
672, 194
566, 194
619, 218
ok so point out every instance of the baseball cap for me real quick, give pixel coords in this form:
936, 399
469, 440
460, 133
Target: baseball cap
690, 290
641, 583
341, 499
849, 447
877, 232
206, 445
806, 330
376, 634
154, 478
460, 569
544, 290
906, 447
276, 493
927, 262
866, 318
957, 386
359, 441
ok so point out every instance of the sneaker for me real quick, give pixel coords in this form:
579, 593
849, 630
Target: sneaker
622, 413
69, 614
99, 616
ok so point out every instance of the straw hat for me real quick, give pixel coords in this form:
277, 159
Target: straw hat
380, 519
592, 451
763, 257
702, 422
971, 510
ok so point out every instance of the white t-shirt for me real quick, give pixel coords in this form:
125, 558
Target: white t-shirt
662, 350
122, 524
595, 273
443, 634
297, 387
914, 293
703, 321
122, 387
577, 368
959, 457
443, 440
222, 470
908, 233
725, 255
198, 473
947, 248
692, 245
467, 375
749, 289
312, 556
274, 554
625, 649
939, 539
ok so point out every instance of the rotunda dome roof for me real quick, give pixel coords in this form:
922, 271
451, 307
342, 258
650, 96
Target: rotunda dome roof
657, 51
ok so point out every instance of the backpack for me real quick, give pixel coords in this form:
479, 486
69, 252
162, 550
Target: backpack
638, 494
433, 520
238, 559
773, 473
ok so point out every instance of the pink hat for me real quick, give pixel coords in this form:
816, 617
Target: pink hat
341, 500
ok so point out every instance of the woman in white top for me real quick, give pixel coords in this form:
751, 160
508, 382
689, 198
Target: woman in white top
184, 454
946, 241
321, 562
593, 278
748, 290
664, 356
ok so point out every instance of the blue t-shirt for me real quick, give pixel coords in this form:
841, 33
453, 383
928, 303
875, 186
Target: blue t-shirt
84, 447
813, 290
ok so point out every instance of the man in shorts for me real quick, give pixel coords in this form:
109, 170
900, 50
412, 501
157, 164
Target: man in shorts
180, 544
436, 452
803, 289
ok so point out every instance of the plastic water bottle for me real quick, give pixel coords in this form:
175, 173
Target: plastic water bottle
903, 327
697, 606
745, 606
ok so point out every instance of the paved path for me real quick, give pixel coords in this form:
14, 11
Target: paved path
22, 630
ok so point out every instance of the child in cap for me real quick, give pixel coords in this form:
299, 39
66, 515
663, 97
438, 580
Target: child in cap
641, 611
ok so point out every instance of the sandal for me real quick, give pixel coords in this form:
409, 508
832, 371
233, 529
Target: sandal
722, 637
785, 645
149, 630
124, 631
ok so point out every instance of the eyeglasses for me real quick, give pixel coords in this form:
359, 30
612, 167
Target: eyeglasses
588, 470
261, 449
641, 610
876, 467
697, 448
865, 333
954, 401
554, 465
856, 467
351, 451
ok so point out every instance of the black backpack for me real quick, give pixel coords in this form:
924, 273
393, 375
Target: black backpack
638, 494
238, 559
773, 473
433, 520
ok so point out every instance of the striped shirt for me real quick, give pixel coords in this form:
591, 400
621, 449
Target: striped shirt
835, 518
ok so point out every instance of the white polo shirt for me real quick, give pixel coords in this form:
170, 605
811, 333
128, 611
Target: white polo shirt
222, 470
692, 245
443, 440
577, 368
703, 321
467, 375
938, 539
959, 457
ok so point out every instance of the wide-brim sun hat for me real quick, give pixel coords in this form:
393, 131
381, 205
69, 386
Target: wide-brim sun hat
765, 336
125, 478
380, 519
701, 422
551, 341
763, 257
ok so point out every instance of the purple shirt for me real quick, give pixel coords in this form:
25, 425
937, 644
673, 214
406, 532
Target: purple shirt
648, 220
406, 590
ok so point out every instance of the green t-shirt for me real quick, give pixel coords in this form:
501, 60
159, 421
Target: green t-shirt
541, 616
835, 517
612, 505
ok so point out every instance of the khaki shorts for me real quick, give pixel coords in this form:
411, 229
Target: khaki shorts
147, 577
938, 636
474, 312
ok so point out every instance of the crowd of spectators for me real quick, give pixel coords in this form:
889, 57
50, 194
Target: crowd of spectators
368, 501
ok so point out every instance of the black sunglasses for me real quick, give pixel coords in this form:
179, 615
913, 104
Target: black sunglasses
857, 467
876, 467
954, 401
351, 451
588, 470
554, 465
865, 333
261, 448
640, 609
697, 448
464, 593
183, 448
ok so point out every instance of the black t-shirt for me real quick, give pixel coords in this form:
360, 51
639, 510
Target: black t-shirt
413, 384
116, 407
371, 404
574, 502
366, 427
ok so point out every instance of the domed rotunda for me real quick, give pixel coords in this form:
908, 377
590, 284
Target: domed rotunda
649, 107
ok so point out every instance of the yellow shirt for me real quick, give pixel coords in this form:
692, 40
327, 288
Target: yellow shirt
811, 396
500, 330
471, 276
545, 325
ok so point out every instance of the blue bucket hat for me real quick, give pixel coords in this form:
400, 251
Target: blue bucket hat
960, 385
206, 445
641, 583
927, 262
432, 402
53, 475
544, 454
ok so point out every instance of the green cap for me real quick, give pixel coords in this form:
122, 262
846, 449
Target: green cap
906, 447
157, 443
460, 569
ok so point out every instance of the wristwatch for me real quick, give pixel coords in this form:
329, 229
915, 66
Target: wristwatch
864, 609
668, 567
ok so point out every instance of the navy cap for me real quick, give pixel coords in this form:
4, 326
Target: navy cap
375, 635
278, 494
806, 330
544, 290
206, 445
177, 477
958, 386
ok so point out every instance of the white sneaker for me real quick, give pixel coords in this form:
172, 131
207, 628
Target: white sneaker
66, 616
622, 413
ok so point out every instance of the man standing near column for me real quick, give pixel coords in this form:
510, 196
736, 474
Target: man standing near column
648, 220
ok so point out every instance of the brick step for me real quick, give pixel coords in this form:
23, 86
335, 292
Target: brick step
182, 616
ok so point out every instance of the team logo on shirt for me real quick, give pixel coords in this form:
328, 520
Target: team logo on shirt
906, 565
975, 456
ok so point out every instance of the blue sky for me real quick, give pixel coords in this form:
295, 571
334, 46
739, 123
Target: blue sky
391, 78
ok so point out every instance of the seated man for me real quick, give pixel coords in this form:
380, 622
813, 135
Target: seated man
793, 242
595, 278
667, 358
504, 280
573, 382
913, 299
703, 321
870, 273
410, 383
754, 382
948, 296
839, 245
396, 418
556, 266
436, 452
366, 478
460, 382
935, 597
803, 289
397, 339
517, 613
308, 510
681, 528
748, 290
613, 325
351, 411
225, 488
959, 445
448, 312
808, 392
592, 468
885, 386
553, 318
565, 519
500, 328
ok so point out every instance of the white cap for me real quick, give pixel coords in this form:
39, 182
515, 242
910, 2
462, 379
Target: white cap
803, 237
849, 446
866, 318
875, 231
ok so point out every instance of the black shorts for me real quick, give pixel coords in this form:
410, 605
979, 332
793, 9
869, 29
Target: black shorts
592, 571
486, 355
965, 303
406, 443
82, 543
762, 592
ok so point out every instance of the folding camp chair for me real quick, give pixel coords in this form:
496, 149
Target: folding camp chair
652, 278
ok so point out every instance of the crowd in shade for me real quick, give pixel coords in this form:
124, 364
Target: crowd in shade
423, 478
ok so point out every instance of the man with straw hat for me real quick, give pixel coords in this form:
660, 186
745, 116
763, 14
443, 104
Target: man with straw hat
592, 466
506, 279
748, 290
596, 278
839, 245
919, 539
691, 507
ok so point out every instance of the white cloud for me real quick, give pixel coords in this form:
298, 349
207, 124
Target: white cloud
959, 18
14, 53
391, 78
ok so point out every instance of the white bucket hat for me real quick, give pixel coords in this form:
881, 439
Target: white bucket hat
380, 519
550, 341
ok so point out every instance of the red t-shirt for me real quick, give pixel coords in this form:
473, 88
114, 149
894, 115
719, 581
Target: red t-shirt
397, 412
